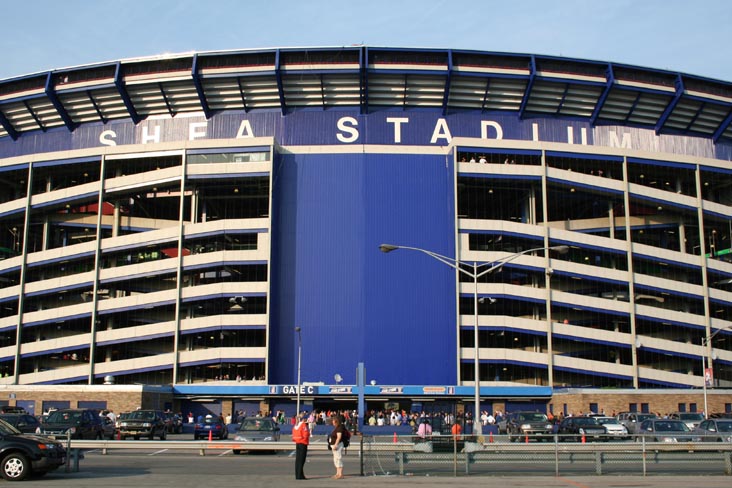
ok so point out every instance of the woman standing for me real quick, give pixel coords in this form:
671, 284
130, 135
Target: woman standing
335, 440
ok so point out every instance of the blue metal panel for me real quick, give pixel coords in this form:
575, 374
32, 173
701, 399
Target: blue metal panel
666, 164
610, 75
573, 155
119, 83
448, 79
672, 105
8, 127
353, 303
529, 87
278, 76
51, 94
717, 134
199, 87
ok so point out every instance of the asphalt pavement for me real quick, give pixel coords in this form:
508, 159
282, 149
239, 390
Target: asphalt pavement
166, 469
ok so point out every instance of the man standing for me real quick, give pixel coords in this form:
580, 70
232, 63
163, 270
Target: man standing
301, 438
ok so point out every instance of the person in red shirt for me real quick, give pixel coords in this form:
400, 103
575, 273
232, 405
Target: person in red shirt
301, 438
456, 431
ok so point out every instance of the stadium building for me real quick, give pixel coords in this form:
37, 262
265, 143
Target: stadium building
173, 220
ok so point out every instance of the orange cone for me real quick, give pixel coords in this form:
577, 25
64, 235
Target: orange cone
395, 438
490, 438
210, 435
583, 439
527, 439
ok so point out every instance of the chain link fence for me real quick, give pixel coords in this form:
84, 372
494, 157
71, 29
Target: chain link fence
470, 455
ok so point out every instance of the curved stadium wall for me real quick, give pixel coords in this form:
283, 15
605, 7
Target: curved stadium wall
171, 220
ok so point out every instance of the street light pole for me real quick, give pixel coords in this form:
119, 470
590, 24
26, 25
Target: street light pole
706, 341
459, 266
299, 358
477, 424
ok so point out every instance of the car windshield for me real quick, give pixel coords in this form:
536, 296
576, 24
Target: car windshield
141, 415
691, 416
532, 417
608, 420
256, 424
7, 429
586, 421
724, 426
59, 417
645, 416
671, 427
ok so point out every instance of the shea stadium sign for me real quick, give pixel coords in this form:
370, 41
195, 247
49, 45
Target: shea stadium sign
344, 127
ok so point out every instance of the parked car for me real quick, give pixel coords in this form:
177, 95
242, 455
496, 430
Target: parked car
615, 430
80, 423
715, 430
143, 423
213, 426
631, 420
578, 428
24, 422
692, 420
257, 429
535, 425
12, 409
665, 430
24, 455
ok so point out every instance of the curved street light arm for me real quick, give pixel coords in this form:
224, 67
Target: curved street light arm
498, 264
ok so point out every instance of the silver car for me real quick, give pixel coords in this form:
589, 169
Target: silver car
615, 430
691, 419
257, 429
666, 430
715, 430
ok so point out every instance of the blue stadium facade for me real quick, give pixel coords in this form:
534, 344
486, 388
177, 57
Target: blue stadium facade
172, 220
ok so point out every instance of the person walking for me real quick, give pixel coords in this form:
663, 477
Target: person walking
335, 440
301, 438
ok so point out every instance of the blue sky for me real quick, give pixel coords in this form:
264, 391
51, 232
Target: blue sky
686, 36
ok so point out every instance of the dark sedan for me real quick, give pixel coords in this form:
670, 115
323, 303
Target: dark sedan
581, 429
24, 422
212, 427
715, 430
78, 423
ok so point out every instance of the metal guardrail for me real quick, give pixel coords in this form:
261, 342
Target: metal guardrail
462, 457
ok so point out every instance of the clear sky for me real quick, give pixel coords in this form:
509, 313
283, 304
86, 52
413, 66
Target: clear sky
680, 35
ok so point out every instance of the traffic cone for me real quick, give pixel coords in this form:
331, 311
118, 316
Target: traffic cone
490, 438
210, 435
395, 438
583, 439
527, 439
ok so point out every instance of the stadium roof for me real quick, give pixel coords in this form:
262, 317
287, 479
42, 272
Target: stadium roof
369, 78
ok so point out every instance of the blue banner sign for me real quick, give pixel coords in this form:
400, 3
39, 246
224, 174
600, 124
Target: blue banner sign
345, 127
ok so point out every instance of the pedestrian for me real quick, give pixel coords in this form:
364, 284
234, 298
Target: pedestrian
301, 438
335, 441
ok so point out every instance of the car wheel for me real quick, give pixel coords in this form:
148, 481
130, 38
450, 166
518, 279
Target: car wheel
164, 435
15, 467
